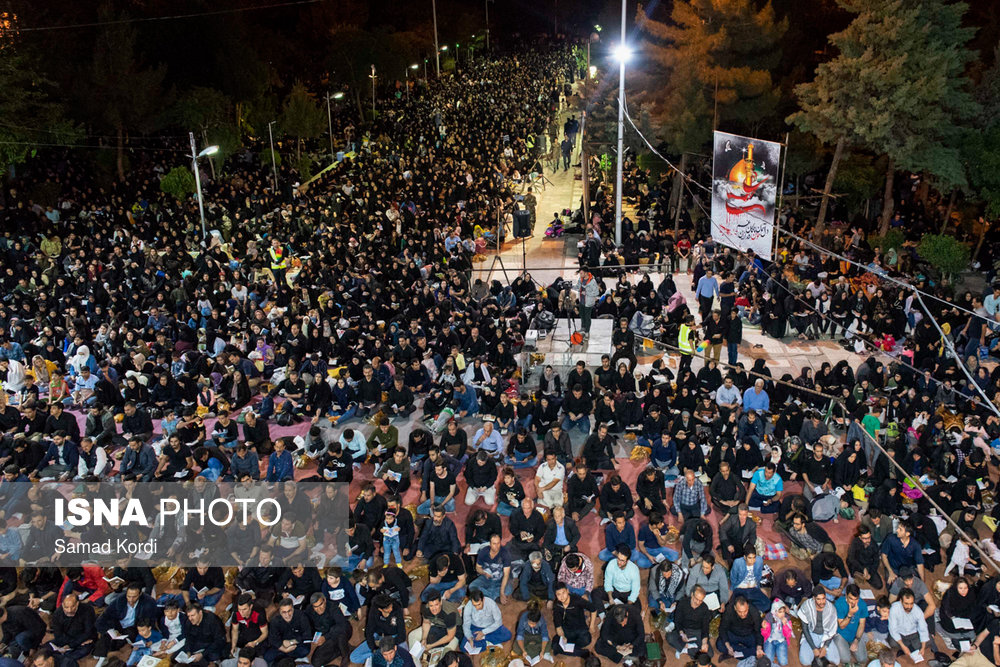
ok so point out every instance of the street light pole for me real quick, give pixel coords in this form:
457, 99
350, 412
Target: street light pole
487, 4
209, 150
406, 83
329, 120
197, 182
274, 165
437, 50
373, 92
621, 130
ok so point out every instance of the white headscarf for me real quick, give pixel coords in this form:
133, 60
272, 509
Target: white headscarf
81, 358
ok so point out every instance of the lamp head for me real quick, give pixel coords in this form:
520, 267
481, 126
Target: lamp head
208, 150
622, 53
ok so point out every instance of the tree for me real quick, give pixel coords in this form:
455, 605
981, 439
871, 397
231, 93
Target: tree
946, 253
208, 111
178, 183
716, 57
125, 95
896, 88
982, 144
30, 117
301, 117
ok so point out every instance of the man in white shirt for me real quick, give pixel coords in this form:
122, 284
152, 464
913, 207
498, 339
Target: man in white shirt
549, 481
907, 625
819, 627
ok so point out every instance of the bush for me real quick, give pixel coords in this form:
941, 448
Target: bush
655, 165
265, 157
178, 183
893, 240
945, 253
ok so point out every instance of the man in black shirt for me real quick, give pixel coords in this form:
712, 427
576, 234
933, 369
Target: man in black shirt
439, 627
816, 473
74, 628
691, 619
615, 497
604, 377
739, 631
580, 376
288, 632
576, 410
23, 628
573, 621
447, 577
622, 634
333, 628
598, 450
582, 492
527, 528
204, 637
385, 619
623, 340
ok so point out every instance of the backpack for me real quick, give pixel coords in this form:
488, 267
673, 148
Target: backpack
824, 507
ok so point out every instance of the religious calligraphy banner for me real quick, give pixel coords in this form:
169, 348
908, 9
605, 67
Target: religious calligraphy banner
744, 187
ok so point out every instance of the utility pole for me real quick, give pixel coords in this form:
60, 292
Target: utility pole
373, 92
274, 165
487, 4
437, 49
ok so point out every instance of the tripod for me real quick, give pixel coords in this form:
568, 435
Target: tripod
540, 177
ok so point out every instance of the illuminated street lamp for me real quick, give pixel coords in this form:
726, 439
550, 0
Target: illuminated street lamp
195, 156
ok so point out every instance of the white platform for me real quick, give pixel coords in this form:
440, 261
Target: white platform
560, 353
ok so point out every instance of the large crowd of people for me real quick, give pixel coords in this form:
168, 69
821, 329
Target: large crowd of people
336, 333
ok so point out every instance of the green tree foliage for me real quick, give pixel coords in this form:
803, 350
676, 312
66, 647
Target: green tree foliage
209, 114
301, 116
126, 96
178, 183
982, 144
28, 115
946, 253
353, 51
896, 88
717, 56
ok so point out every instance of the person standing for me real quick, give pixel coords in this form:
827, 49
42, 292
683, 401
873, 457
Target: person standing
706, 291
734, 336
278, 255
687, 338
566, 148
588, 292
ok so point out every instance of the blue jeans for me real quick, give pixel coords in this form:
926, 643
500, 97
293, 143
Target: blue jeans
831, 584
583, 423
425, 507
667, 552
489, 587
345, 414
525, 422
733, 350
503, 509
637, 557
390, 549
522, 460
757, 500
351, 563
582, 592
777, 651
756, 597
363, 652
442, 587
498, 636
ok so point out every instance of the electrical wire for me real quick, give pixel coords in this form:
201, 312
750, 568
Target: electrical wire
99, 147
835, 401
218, 12
686, 181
